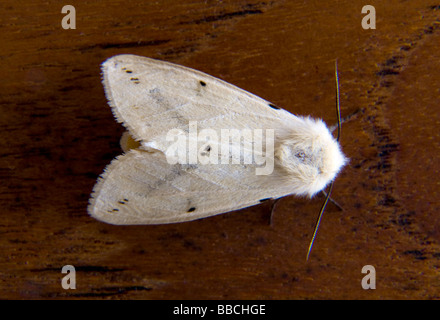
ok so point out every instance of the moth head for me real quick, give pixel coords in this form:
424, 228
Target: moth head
310, 156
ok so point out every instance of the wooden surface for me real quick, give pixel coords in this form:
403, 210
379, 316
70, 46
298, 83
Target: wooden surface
58, 134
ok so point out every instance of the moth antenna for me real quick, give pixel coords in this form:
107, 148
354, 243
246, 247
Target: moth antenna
318, 221
338, 109
321, 212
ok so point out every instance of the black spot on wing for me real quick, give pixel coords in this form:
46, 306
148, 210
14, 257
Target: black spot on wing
265, 199
191, 209
202, 83
206, 152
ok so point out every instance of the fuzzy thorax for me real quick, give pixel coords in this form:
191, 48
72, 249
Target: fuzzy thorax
310, 156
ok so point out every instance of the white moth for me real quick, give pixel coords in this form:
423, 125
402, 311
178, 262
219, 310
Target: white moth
154, 99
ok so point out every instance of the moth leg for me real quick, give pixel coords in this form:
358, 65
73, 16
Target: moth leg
272, 210
332, 128
333, 201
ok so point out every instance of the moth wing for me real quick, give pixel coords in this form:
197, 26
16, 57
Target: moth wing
140, 187
151, 97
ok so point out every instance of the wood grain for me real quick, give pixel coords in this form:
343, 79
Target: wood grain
58, 134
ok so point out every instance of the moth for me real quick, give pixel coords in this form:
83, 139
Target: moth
177, 166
